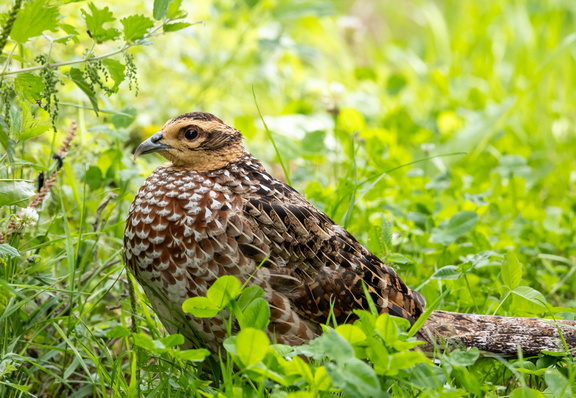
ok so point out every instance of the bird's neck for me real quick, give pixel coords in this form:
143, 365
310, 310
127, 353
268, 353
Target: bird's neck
203, 161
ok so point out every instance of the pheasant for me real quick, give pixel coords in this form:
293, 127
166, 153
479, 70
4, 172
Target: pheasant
214, 210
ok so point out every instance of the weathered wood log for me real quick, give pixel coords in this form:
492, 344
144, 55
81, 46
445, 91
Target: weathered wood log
499, 334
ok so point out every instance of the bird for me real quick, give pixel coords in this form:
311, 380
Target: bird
214, 210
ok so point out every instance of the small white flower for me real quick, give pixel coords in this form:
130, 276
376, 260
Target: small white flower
28, 217
428, 147
396, 238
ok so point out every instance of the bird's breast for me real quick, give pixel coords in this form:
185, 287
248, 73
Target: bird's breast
178, 229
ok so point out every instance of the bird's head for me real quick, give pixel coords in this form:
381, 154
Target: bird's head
199, 141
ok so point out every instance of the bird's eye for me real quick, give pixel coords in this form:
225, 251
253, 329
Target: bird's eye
191, 134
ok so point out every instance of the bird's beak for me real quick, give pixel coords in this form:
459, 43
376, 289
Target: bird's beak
151, 145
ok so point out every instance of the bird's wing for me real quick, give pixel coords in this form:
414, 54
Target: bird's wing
318, 263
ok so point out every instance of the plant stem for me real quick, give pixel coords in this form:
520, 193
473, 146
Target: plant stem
91, 59
59, 64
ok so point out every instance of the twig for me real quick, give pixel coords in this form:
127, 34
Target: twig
89, 274
58, 64
101, 208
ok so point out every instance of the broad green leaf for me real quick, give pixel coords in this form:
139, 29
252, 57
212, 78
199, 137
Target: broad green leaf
116, 70
511, 271
299, 367
95, 21
306, 8
353, 334
15, 192
136, 26
390, 326
460, 224
251, 346
230, 345
172, 340
477, 199
513, 165
460, 357
448, 272
33, 126
248, 295
34, 18
72, 34
173, 27
7, 251
558, 385
24, 125
124, 118
78, 78
197, 355
322, 381
375, 243
256, 315
146, 342
251, 3
333, 345
468, 380
440, 182
398, 258
378, 354
93, 177
527, 299
225, 289
380, 238
160, 9
301, 394
174, 11
355, 377
396, 82
117, 332
200, 307
404, 360
31, 87
386, 233
525, 392
5, 141
351, 120
313, 142
388, 330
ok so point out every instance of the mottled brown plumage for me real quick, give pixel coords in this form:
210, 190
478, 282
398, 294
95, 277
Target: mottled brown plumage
215, 211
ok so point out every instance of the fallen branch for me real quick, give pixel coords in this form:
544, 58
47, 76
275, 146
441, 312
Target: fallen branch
499, 334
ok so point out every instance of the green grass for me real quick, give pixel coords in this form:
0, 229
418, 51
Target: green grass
441, 134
